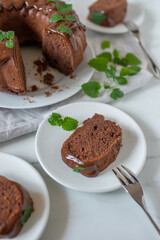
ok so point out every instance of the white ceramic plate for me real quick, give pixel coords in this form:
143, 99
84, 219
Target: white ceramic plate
22, 172
49, 141
66, 86
134, 13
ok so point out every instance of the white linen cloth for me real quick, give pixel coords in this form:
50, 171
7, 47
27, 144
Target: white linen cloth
14, 123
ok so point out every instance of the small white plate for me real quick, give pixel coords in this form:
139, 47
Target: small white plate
67, 86
22, 172
49, 140
134, 13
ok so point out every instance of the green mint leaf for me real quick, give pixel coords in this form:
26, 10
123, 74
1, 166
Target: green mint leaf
56, 18
64, 8
130, 71
55, 119
70, 18
107, 55
110, 73
121, 80
26, 214
10, 34
132, 59
3, 36
97, 17
99, 63
116, 53
64, 29
9, 44
116, 93
78, 169
52, 1
69, 124
107, 86
105, 44
91, 89
120, 61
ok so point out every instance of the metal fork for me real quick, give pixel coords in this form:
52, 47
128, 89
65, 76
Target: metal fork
132, 27
132, 186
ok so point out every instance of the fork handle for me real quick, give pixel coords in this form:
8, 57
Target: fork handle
151, 219
155, 69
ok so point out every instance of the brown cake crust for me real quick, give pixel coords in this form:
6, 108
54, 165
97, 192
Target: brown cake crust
114, 10
14, 199
30, 21
93, 146
12, 73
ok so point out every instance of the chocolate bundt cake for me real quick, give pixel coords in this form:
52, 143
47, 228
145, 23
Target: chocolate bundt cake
92, 147
12, 73
112, 12
16, 206
32, 22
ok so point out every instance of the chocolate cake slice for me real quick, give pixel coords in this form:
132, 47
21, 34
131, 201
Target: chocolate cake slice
113, 10
12, 73
93, 146
14, 202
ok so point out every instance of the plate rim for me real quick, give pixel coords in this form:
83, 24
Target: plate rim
47, 198
80, 189
31, 106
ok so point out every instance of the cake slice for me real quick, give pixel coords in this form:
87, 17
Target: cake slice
14, 202
12, 73
92, 147
114, 12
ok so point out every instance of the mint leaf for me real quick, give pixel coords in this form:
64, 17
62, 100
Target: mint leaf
69, 124
107, 86
10, 34
107, 55
3, 36
52, 1
97, 17
64, 8
55, 119
116, 93
91, 89
63, 28
130, 71
120, 61
78, 169
99, 63
26, 214
121, 80
56, 18
132, 59
116, 53
70, 18
9, 44
105, 44
110, 73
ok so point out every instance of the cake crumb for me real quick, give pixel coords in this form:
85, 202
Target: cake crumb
48, 94
34, 88
48, 79
55, 87
41, 65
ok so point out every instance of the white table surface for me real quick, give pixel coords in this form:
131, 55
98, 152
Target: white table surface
76, 215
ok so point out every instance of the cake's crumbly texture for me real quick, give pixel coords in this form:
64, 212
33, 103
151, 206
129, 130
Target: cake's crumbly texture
96, 144
13, 201
114, 11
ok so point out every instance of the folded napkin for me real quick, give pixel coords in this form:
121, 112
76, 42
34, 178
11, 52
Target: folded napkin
14, 123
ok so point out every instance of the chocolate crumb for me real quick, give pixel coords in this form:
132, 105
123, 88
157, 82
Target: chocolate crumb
48, 79
55, 87
34, 88
48, 94
41, 65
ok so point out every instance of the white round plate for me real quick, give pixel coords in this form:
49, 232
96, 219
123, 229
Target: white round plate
134, 13
49, 140
22, 172
67, 86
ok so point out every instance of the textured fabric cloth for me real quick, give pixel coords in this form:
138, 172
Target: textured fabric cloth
14, 123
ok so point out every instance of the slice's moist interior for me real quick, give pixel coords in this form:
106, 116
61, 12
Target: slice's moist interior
16, 206
12, 73
93, 146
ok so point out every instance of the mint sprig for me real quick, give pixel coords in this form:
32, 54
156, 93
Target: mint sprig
91, 89
78, 168
116, 93
64, 8
7, 36
56, 18
68, 123
26, 214
97, 17
64, 29
105, 44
